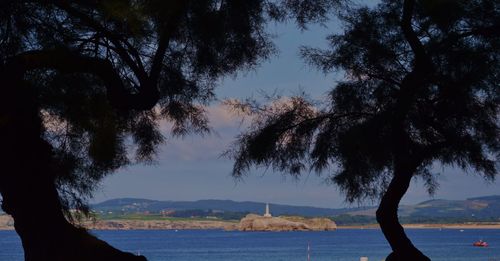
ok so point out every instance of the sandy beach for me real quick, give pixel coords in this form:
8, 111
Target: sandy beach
432, 226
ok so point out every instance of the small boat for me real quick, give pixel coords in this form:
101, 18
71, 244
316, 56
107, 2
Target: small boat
480, 243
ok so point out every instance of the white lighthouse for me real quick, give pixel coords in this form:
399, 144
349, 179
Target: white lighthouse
267, 214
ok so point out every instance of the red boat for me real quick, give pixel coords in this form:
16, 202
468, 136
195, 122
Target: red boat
480, 243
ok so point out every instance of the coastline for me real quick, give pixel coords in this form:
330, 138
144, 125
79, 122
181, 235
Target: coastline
6, 223
479, 225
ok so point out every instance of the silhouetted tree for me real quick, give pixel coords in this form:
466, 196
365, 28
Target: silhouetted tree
421, 87
85, 83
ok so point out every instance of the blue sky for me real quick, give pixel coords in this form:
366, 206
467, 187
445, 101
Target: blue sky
191, 168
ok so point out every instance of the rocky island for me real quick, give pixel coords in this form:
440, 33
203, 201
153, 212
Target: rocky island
254, 222
267, 222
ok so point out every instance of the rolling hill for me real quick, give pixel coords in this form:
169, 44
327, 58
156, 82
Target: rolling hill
132, 205
479, 208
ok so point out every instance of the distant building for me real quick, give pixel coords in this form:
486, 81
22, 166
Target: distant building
267, 214
167, 212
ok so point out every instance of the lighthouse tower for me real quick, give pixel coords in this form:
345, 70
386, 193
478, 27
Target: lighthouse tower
267, 214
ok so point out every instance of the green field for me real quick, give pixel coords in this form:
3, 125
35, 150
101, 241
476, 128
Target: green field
155, 217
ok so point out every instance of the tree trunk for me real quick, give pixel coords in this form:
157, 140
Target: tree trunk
387, 217
44, 231
28, 190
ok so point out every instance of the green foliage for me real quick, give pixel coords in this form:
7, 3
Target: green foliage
90, 138
304, 11
194, 214
199, 213
106, 73
414, 93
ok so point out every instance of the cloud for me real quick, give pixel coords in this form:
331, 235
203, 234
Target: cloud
221, 117
225, 126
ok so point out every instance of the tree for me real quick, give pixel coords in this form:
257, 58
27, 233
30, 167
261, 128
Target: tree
421, 87
85, 83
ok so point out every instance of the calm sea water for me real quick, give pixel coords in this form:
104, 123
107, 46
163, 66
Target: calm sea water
340, 245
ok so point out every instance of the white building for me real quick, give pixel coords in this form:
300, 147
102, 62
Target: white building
267, 214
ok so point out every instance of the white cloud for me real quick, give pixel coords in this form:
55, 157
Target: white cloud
224, 124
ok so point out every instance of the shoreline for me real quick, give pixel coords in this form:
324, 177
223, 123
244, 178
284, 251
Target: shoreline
196, 227
479, 225
6, 223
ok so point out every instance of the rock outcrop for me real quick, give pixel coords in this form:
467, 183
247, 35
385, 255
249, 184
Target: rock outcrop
6, 222
317, 224
254, 222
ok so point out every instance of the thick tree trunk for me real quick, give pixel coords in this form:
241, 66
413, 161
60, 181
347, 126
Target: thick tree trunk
387, 217
44, 231
29, 194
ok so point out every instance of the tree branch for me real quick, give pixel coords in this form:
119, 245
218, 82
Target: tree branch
164, 40
326, 116
69, 62
135, 66
422, 61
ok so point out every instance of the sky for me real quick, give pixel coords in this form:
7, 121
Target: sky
191, 168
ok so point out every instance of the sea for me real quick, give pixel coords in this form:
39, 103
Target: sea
340, 245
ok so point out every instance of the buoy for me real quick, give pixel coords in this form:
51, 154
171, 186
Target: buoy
308, 252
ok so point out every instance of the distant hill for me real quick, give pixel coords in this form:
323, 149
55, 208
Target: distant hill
133, 205
479, 208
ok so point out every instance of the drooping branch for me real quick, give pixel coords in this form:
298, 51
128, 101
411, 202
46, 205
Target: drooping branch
68, 62
148, 83
327, 116
487, 32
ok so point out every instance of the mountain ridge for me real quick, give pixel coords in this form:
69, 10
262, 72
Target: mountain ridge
484, 207
130, 205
